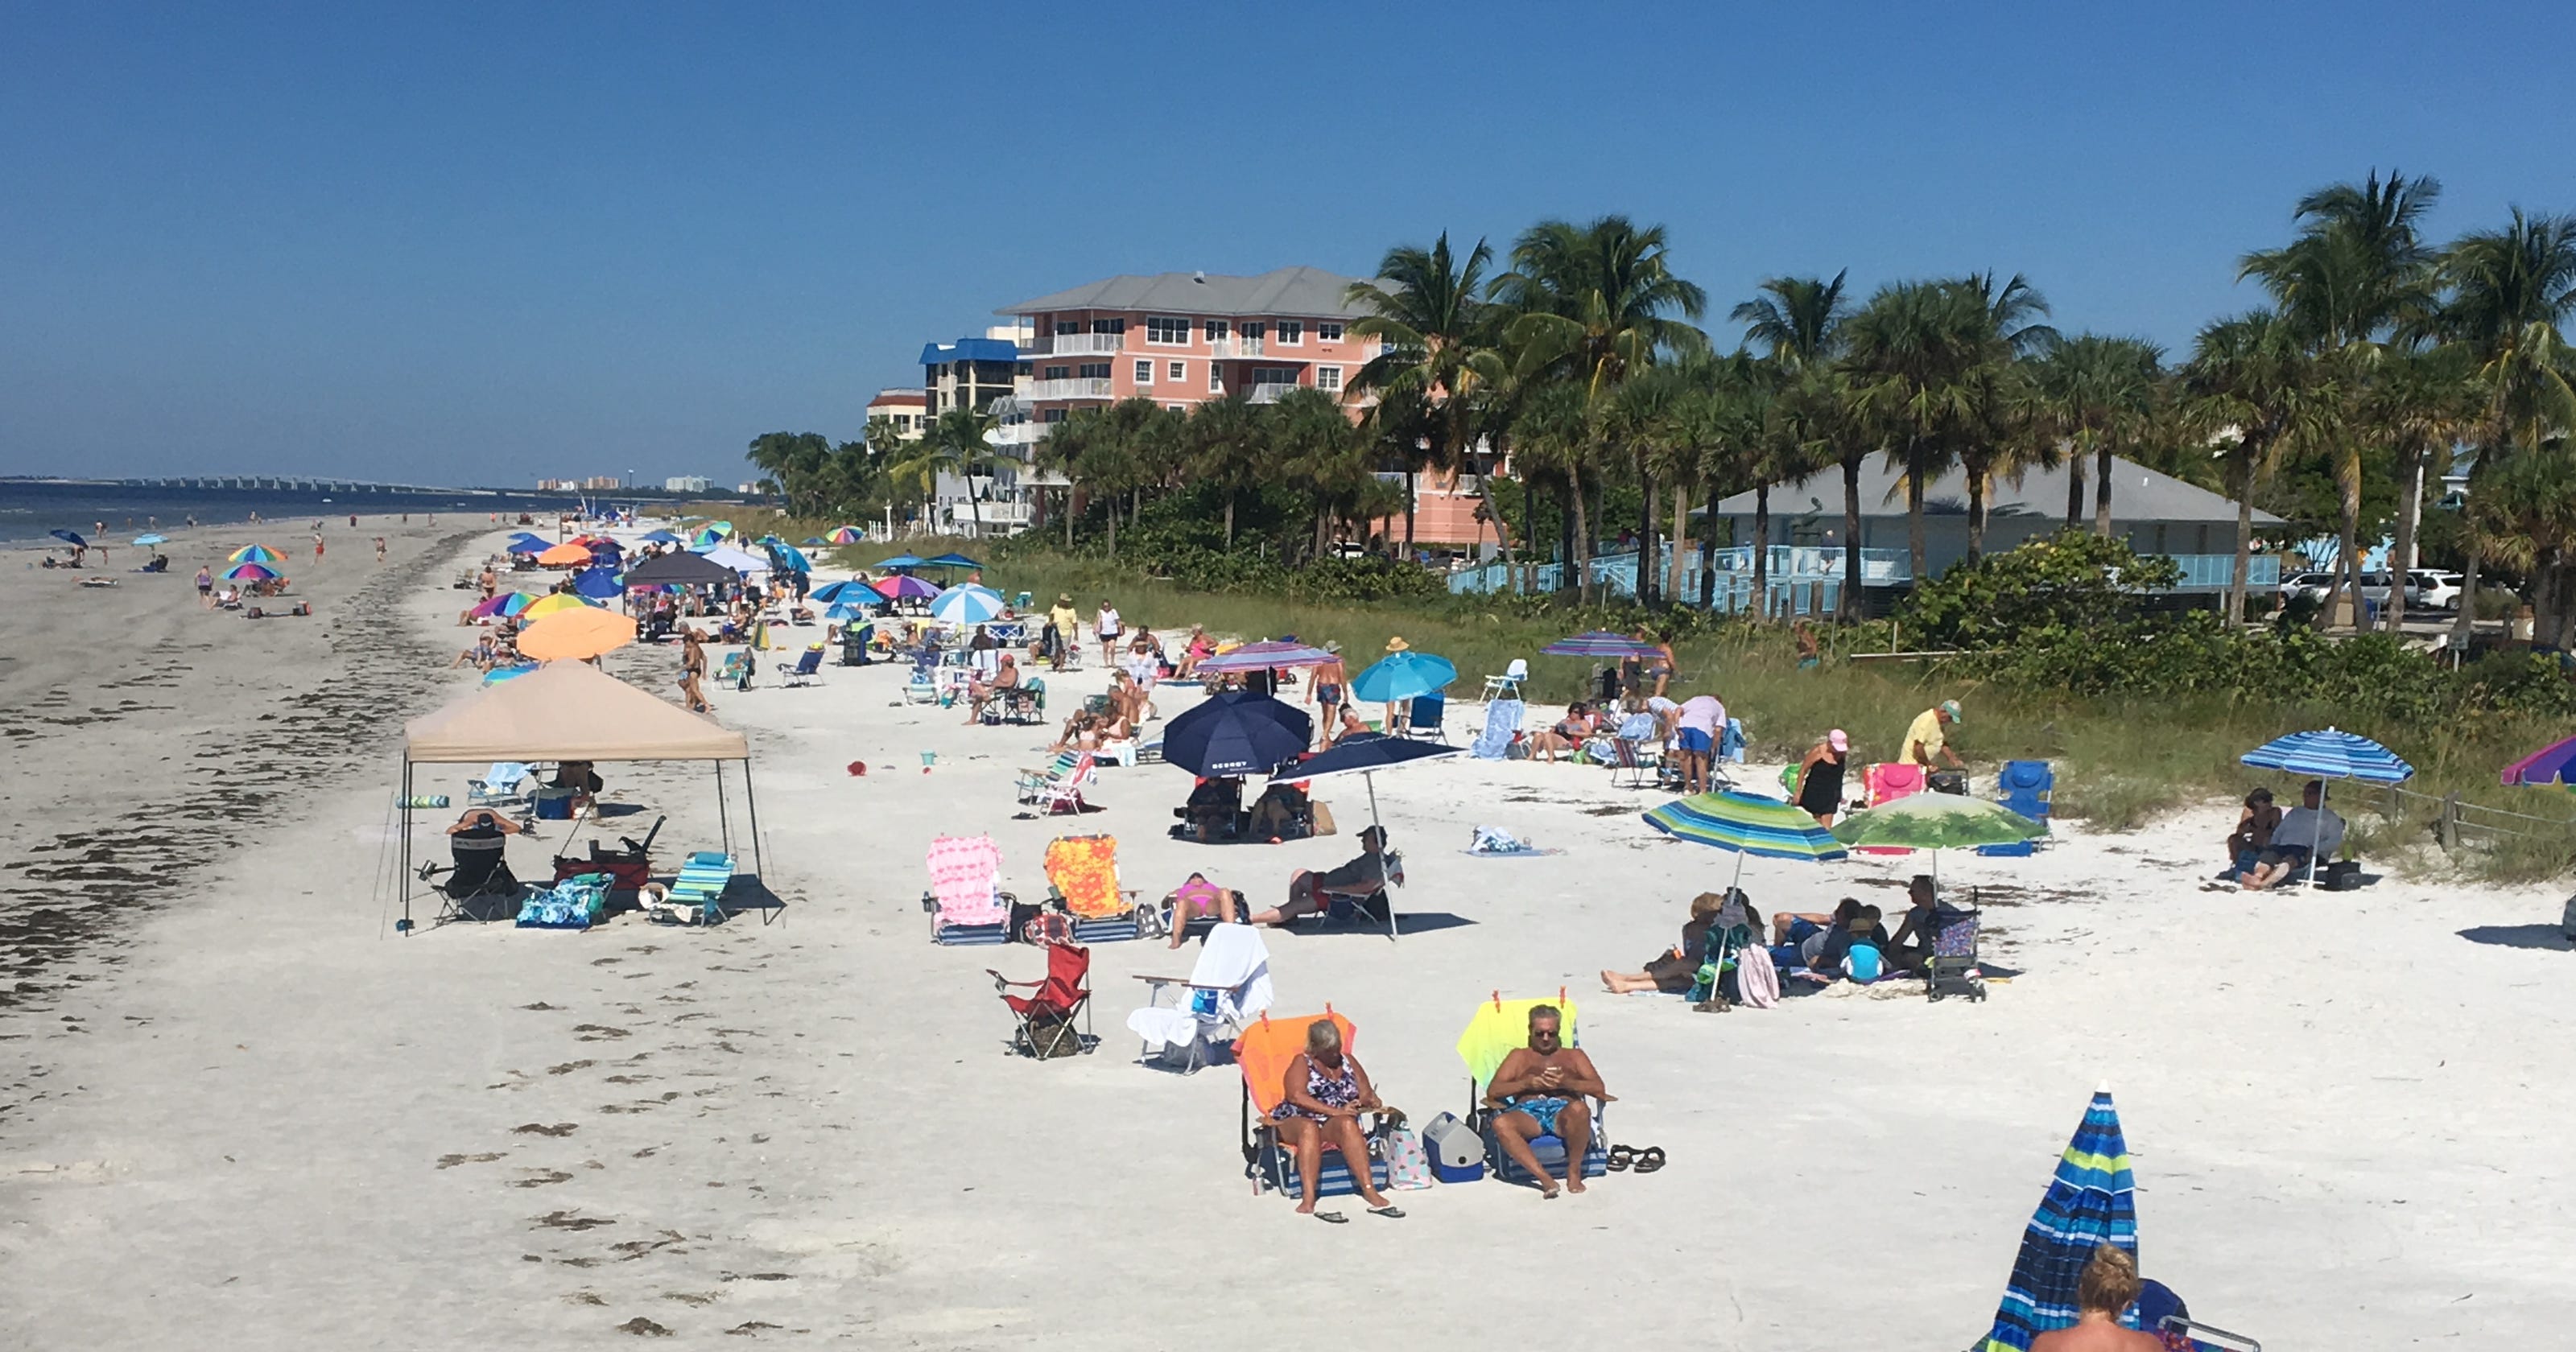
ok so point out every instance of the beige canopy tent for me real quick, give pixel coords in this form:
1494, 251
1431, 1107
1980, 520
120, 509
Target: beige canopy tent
570, 711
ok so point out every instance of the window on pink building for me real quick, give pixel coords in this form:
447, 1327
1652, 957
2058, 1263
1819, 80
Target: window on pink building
1180, 371
1328, 332
1292, 333
1144, 373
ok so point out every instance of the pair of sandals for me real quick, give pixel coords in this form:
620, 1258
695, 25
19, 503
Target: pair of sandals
1645, 1161
1390, 1211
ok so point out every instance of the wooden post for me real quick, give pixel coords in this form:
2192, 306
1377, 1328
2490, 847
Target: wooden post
2450, 825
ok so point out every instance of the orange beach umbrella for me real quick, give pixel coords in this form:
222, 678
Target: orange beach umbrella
576, 634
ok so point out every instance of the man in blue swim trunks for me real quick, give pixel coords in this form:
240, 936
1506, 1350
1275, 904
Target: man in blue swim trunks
1539, 1090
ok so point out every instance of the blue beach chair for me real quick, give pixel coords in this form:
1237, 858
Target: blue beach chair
2025, 786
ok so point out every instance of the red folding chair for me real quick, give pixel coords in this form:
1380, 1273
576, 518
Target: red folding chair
1047, 1013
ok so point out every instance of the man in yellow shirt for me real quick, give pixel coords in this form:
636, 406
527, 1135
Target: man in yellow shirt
1068, 629
1924, 737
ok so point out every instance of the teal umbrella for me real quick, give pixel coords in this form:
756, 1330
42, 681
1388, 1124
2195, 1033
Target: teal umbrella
1402, 676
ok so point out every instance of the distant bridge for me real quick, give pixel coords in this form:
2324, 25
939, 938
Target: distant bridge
299, 484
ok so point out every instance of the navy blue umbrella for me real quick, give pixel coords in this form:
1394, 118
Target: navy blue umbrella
73, 537
1236, 733
1364, 754
599, 584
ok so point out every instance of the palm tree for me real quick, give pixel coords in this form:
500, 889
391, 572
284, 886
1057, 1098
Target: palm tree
2103, 393
1435, 335
958, 441
1800, 321
1225, 442
1556, 432
2247, 387
1913, 352
2524, 514
2356, 274
2420, 404
2510, 290
1319, 449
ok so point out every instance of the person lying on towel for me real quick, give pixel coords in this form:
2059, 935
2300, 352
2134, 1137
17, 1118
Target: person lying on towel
1539, 1090
1199, 899
1362, 880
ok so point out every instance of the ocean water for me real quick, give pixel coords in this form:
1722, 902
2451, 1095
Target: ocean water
32, 509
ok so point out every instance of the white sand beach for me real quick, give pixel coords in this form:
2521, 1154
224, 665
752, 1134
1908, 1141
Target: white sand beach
245, 1113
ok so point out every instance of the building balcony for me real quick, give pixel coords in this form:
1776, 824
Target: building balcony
1076, 388
1072, 344
1235, 349
1266, 393
1021, 433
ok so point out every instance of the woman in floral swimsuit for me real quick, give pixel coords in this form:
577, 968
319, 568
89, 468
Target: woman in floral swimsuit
1325, 1091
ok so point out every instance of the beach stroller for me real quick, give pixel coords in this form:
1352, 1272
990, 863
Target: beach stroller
1228, 986
1047, 1012
1499, 1026
1952, 968
1502, 728
966, 900
1083, 871
2026, 787
1263, 1054
804, 670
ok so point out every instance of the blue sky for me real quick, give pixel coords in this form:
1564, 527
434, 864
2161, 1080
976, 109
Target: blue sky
483, 244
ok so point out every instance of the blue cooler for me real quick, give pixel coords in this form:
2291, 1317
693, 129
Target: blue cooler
553, 804
1457, 1153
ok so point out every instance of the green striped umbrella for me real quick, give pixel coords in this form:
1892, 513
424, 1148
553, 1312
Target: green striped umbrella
1747, 825
1936, 822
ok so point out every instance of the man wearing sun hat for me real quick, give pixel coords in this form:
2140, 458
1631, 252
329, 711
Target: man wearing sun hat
1925, 736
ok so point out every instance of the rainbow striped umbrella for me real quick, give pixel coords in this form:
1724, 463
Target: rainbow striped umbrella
503, 603
846, 535
1746, 824
2091, 1201
250, 572
254, 554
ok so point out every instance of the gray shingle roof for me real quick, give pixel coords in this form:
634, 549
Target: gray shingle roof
1287, 291
2137, 494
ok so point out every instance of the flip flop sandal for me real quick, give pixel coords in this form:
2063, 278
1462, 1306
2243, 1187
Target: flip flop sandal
1393, 1213
1332, 1218
1621, 1157
1650, 1159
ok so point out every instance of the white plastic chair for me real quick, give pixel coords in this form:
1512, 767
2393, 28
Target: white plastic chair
1507, 685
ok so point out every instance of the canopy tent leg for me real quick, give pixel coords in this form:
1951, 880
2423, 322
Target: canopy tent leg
402, 880
751, 804
724, 823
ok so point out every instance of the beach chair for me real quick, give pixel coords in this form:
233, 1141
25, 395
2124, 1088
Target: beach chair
1887, 781
504, 785
1061, 792
479, 884
966, 902
1636, 753
1508, 685
1498, 1026
804, 670
1502, 728
2025, 786
1263, 1053
1424, 718
697, 895
1083, 873
1032, 783
1227, 987
1024, 703
1952, 968
1047, 1012
735, 671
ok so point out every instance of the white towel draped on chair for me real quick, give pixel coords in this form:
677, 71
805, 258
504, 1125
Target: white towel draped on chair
1236, 963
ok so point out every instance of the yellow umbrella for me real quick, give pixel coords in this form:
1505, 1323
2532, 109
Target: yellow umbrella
552, 602
576, 633
565, 553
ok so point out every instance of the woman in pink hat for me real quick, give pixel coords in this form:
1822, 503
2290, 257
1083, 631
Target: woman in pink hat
1820, 777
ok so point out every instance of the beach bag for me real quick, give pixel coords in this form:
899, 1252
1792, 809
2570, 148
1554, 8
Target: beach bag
1408, 1165
1323, 817
1757, 982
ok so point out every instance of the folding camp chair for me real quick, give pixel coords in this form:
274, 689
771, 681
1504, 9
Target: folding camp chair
2025, 786
479, 884
805, 670
697, 895
1047, 1012
1264, 1053
1498, 1026
966, 900
1886, 782
1424, 718
1508, 685
1952, 968
504, 785
1636, 753
1022, 703
1228, 986
920, 686
1083, 872
735, 671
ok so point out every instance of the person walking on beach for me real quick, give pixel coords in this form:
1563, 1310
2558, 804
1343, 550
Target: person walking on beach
693, 670
1926, 736
1819, 789
317, 546
1106, 627
1324, 690
206, 586
380, 549
1067, 627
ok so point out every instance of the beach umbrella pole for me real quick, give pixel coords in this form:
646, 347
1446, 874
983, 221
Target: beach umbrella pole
1386, 885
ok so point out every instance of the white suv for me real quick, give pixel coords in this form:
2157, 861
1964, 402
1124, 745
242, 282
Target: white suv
2433, 589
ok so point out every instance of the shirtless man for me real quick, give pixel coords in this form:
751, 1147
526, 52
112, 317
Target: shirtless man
981, 693
2108, 1287
1539, 1090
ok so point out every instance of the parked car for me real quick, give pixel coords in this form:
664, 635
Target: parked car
2312, 587
2433, 589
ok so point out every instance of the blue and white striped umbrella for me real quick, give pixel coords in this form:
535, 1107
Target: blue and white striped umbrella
968, 604
2331, 755
2091, 1201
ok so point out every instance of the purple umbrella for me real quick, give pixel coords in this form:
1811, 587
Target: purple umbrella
905, 588
1267, 655
2548, 765
1601, 643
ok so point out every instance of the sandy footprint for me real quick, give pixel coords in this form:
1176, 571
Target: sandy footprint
541, 1129
486, 1157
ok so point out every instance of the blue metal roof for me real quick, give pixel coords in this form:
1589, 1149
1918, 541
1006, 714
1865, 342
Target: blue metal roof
970, 349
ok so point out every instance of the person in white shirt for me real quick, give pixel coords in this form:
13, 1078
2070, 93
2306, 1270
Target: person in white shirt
2308, 832
1700, 718
1108, 625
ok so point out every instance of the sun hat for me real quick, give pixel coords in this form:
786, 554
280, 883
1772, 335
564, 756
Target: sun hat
1397, 644
1838, 739
1951, 707
1332, 645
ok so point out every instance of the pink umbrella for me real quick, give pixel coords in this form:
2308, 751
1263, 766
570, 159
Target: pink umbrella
905, 587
